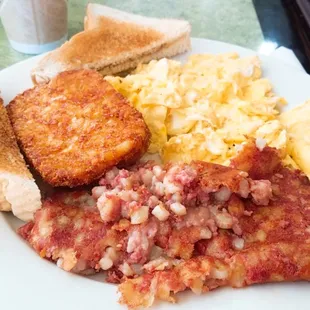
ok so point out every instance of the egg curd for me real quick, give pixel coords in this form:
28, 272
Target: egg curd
205, 109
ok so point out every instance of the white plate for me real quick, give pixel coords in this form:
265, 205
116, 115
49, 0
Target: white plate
28, 282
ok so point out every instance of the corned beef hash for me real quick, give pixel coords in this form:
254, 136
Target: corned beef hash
158, 230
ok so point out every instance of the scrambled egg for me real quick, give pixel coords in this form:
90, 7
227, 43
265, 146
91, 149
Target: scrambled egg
205, 109
297, 123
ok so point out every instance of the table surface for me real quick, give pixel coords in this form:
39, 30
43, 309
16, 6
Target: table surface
243, 22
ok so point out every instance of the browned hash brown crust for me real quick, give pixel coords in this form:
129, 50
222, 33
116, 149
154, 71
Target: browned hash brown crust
76, 127
276, 241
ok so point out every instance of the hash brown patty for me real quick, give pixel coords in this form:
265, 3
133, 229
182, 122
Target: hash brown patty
76, 127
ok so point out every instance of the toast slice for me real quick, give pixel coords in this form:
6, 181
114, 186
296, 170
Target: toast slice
115, 41
18, 191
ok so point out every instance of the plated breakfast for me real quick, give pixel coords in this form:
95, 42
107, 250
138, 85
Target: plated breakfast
163, 175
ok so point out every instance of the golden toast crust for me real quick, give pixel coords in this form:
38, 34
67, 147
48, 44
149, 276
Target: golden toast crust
11, 160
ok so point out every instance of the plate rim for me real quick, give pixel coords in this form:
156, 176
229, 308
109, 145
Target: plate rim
193, 40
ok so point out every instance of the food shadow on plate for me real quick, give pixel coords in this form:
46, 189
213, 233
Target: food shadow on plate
99, 277
13, 222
